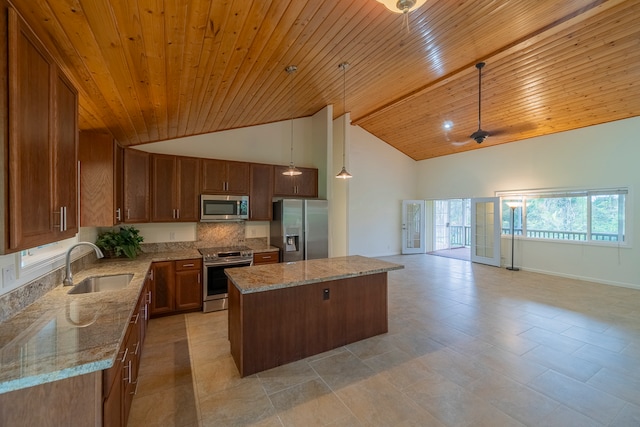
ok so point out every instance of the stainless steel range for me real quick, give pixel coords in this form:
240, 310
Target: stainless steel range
214, 262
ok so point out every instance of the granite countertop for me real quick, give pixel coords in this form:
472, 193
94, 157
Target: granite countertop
62, 335
266, 277
260, 248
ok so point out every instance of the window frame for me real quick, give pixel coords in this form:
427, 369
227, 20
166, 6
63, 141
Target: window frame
525, 195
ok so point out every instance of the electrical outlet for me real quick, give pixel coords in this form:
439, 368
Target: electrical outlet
8, 275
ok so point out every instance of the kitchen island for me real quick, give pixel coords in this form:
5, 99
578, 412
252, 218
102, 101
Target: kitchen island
280, 313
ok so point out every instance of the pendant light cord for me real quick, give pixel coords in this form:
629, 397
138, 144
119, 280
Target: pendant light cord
344, 110
290, 70
343, 173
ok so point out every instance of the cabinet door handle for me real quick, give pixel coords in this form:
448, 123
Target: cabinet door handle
177, 213
188, 265
127, 377
118, 215
135, 318
128, 214
124, 356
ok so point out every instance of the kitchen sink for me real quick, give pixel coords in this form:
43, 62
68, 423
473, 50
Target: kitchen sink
102, 283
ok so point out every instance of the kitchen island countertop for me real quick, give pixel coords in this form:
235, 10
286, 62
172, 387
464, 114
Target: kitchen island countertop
283, 275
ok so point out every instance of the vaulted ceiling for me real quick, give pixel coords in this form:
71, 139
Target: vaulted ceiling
150, 70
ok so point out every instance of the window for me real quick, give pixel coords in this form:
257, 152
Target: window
586, 215
45, 254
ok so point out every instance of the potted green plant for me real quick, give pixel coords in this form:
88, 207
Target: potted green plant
123, 242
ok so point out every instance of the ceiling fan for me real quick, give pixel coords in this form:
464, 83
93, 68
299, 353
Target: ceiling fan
480, 135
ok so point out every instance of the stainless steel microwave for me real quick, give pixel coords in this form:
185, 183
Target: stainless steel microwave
223, 208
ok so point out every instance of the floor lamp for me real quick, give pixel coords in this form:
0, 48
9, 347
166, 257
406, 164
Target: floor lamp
513, 205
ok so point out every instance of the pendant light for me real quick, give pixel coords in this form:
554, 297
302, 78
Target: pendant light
343, 173
292, 170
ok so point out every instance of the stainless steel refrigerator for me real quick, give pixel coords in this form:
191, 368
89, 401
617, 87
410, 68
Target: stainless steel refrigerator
300, 229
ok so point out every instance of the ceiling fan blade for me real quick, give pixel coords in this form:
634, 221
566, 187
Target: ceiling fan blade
460, 143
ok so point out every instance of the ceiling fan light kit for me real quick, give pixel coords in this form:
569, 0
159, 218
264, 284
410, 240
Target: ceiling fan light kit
402, 6
292, 170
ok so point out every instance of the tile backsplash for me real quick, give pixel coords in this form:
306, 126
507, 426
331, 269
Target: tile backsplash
208, 234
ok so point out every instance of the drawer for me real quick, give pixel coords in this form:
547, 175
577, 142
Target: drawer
266, 257
188, 264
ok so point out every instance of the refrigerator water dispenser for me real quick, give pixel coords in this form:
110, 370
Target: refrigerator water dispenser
292, 243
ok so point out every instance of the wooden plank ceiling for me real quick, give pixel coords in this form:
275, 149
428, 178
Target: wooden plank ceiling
150, 70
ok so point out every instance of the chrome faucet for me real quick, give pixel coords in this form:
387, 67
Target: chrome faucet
68, 278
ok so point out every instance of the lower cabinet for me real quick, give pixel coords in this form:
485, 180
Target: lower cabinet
176, 286
120, 382
272, 257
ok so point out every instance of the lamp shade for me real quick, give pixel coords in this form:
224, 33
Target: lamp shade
513, 204
344, 174
402, 6
292, 171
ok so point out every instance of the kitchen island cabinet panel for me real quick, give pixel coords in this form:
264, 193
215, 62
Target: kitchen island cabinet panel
274, 327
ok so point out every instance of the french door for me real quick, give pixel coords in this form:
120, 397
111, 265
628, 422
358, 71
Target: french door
485, 230
413, 226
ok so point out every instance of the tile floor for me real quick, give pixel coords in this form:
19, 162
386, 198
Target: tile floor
468, 345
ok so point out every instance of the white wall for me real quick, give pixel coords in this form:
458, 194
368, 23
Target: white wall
382, 178
339, 195
602, 156
268, 143
322, 148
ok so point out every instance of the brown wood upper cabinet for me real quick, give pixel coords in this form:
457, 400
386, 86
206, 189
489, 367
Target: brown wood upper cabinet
261, 192
101, 189
136, 186
42, 148
175, 185
225, 177
305, 185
